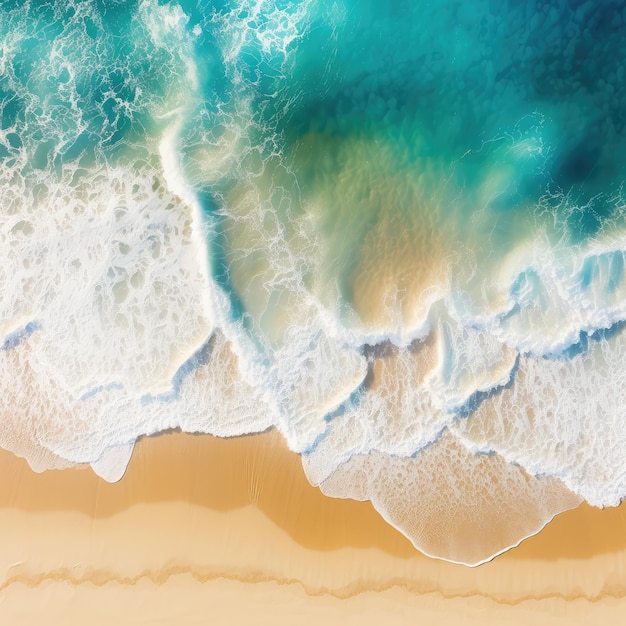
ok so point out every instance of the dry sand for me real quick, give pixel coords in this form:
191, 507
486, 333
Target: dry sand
210, 531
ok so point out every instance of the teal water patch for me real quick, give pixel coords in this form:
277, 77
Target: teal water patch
441, 96
475, 123
89, 81
495, 120
457, 79
465, 76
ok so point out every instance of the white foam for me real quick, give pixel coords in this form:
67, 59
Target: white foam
285, 347
45, 422
452, 504
113, 267
113, 463
412, 394
562, 417
113, 278
563, 293
260, 24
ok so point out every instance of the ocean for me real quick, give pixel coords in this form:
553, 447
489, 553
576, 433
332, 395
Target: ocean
394, 231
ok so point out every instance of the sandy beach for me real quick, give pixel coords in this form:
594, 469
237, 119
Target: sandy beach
206, 530
394, 232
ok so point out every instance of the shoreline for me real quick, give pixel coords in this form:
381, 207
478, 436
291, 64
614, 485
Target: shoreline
196, 516
169, 462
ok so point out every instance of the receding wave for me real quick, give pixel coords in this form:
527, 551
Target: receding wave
394, 232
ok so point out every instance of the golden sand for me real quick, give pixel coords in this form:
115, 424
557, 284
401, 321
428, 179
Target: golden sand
210, 531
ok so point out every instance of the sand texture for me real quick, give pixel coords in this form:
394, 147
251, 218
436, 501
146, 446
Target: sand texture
204, 530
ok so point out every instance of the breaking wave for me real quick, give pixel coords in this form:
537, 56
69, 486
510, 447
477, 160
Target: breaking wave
396, 233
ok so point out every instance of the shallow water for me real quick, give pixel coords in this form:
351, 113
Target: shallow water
391, 231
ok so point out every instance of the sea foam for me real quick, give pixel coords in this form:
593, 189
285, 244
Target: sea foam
405, 251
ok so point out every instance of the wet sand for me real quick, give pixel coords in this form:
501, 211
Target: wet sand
231, 529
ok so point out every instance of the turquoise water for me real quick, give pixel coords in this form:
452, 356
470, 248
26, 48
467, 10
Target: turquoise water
382, 226
477, 131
